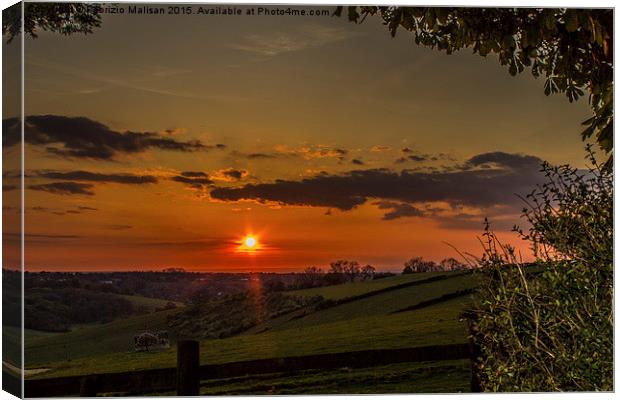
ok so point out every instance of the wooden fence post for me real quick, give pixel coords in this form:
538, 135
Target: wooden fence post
474, 351
188, 368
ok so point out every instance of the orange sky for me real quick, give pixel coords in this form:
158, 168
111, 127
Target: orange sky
162, 141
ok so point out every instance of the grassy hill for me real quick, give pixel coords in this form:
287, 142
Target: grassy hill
149, 304
338, 292
368, 323
93, 340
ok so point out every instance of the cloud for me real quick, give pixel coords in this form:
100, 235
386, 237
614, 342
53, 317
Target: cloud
194, 179
80, 137
230, 174
85, 208
501, 159
312, 152
401, 160
194, 174
85, 176
8, 188
256, 156
65, 188
304, 37
398, 210
469, 185
357, 162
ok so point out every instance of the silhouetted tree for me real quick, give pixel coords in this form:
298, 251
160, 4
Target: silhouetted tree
450, 264
310, 277
367, 272
418, 264
345, 270
63, 18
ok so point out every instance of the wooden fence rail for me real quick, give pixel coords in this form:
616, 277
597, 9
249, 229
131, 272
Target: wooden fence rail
186, 379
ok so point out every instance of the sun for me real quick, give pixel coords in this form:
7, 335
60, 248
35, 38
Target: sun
250, 242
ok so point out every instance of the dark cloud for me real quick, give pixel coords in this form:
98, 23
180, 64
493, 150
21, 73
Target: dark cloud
253, 156
413, 157
73, 212
33, 235
80, 137
398, 210
194, 174
8, 188
406, 150
86, 176
196, 180
85, 208
65, 188
514, 161
512, 174
235, 174
357, 162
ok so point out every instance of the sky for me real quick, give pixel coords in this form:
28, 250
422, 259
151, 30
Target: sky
165, 140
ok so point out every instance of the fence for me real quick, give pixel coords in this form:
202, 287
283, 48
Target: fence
186, 377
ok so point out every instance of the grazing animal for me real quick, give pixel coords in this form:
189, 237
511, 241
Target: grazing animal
151, 341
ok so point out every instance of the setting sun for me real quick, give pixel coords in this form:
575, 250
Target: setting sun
250, 242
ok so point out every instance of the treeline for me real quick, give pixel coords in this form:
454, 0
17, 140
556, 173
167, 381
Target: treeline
418, 264
173, 284
56, 310
344, 271
341, 271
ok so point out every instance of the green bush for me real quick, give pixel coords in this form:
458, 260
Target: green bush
548, 325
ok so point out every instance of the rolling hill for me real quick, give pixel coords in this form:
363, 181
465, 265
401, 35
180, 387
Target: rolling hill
367, 317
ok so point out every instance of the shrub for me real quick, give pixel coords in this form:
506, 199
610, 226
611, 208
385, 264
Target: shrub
548, 325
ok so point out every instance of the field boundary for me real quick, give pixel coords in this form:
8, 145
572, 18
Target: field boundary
327, 303
164, 379
436, 300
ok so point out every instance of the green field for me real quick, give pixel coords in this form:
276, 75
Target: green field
367, 323
338, 292
92, 340
431, 377
149, 304
424, 377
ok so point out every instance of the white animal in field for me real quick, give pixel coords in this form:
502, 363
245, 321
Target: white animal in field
146, 341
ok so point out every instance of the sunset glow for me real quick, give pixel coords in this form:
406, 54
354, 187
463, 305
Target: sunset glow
162, 170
